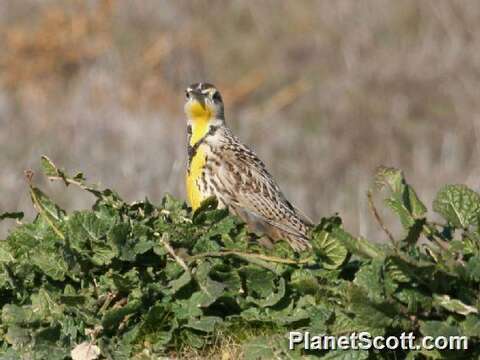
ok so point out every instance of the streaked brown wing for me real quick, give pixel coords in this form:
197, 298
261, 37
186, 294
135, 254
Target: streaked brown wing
255, 197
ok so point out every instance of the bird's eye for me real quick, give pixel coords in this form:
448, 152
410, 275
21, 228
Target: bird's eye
216, 96
187, 94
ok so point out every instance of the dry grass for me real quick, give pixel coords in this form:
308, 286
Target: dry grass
324, 92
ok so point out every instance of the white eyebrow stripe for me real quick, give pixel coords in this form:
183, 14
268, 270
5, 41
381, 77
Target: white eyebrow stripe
204, 88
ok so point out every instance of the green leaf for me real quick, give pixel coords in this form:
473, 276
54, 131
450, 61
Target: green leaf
143, 239
52, 265
53, 211
222, 227
191, 308
320, 317
469, 245
458, 204
260, 283
211, 289
192, 339
372, 317
473, 268
258, 349
17, 315
403, 200
54, 173
453, 305
471, 326
270, 347
358, 246
438, 328
415, 205
205, 323
271, 299
370, 278
229, 277
179, 283
291, 314
346, 355
103, 253
45, 306
5, 255
304, 281
17, 336
395, 268
397, 206
209, 204
126, 281
85, 231
112, 318
119, 237
155, 318
415, 300
329, 249
391, 177
48, 167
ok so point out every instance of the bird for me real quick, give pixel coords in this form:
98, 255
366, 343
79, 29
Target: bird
221, 166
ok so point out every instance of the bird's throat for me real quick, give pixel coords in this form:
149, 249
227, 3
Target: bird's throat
200, 117
200, 127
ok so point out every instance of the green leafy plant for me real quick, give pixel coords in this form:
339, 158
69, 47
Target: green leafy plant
122, 281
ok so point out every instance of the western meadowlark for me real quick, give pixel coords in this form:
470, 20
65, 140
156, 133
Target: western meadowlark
220, 165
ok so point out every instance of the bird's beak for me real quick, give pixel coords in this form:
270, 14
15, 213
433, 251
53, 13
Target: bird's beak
198, 96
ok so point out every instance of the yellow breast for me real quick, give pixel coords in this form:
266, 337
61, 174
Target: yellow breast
193, 191
200, 118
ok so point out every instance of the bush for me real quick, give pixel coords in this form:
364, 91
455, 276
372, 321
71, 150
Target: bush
139, 280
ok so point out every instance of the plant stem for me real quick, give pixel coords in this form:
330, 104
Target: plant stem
377, 217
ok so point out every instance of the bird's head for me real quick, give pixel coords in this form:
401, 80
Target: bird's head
203, 104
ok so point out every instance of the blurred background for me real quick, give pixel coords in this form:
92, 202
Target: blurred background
324, 91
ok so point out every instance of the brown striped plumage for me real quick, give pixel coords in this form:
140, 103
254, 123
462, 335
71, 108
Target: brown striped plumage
234, 174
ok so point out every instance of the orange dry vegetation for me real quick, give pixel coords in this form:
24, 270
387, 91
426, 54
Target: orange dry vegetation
55, 45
